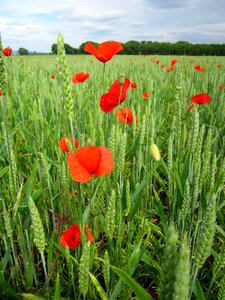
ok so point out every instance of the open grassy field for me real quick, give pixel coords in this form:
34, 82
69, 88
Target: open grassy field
155, 224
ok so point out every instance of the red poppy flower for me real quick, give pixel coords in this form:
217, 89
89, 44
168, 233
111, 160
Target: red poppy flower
146, 95
170, 69
0, 92
218, 66
202, 70
201, 99
133, 85
105, 50
7, 51
53, 76
64, 146
222, 87
80, 77
116, 95
89, 161
71, 238
197, 67
125, 115
173, 62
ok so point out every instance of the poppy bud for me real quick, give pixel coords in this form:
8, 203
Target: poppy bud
154, 150
121, 79
88, 141
178, 87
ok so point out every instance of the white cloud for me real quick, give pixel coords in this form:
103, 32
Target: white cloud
35, 25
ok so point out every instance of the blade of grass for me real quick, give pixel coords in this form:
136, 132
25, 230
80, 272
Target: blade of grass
133, 285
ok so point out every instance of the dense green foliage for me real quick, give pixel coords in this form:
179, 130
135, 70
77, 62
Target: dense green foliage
68, 49
158, 225
23, 51
161, 48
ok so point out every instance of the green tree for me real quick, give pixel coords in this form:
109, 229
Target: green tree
132, 47
54, 48
68, 49
23, 51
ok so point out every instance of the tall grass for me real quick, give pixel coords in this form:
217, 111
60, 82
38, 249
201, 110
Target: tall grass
153, 218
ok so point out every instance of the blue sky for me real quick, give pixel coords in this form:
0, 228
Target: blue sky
35, 25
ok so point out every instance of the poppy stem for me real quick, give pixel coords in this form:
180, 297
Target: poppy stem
71, 129
103, 77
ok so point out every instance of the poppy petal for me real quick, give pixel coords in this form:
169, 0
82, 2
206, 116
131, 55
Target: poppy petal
88, 157
77, 170
201, 99
106, 163
120, 91
108, 102
80, 77
116, 95
107, 50
71, 237
125, 115
90, 49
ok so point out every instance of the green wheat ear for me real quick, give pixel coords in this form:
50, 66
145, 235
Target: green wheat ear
8, 227
122, 153
186, 201
219, 262
207, 233
168, 266
110, 216
221, 294
2, 70
106, 269
84, 268
182, 284
38, 229
206, 157
178, 121
66, 81
194, 131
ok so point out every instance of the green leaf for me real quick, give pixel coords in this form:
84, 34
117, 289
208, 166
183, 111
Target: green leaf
87, 209
32, 297
198, 291
99, 288
8, 290
136, 199
29, 185
57, 288
130, 267
150, 261
133, 285
3, 171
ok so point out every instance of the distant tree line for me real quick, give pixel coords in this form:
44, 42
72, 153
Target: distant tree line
23, 51
161, 48
148, 47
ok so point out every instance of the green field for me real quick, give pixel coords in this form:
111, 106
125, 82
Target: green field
158, 225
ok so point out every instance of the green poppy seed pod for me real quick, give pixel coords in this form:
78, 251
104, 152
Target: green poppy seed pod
121, 79
154, 150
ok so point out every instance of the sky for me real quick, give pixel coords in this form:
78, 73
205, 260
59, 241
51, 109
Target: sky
35, 25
